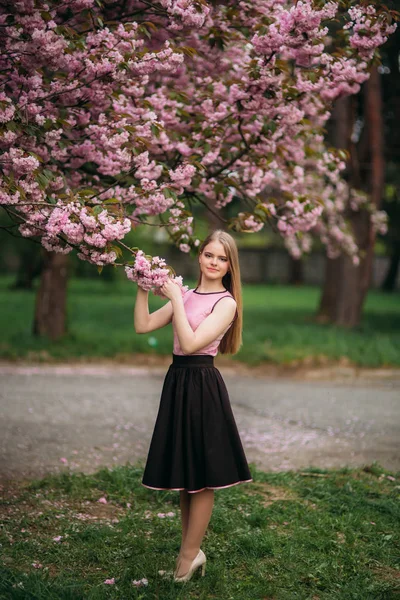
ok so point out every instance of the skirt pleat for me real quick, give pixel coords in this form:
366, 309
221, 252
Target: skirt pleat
195, 443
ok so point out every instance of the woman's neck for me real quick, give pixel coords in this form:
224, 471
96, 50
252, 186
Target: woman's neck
210, 289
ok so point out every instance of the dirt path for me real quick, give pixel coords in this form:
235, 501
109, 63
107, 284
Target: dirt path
83, 416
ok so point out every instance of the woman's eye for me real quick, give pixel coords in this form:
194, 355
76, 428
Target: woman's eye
223, 259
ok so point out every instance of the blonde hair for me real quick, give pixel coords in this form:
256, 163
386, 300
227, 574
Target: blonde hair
232, 340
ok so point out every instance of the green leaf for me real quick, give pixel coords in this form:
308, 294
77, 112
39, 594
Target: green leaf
262, 210
344, 154
11, 126
155, 130
188, 51
42, 180
150, 25
269, 127
197, 164
39, 158
117, 251
87, 192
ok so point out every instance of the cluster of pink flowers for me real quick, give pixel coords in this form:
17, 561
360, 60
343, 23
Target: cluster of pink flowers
150, 273
182, 177
298, 245
251, 223
295, 31
186, 12
379, 221
368, 31
64, 226
304, 217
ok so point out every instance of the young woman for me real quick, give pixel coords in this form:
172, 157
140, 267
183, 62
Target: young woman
195, 447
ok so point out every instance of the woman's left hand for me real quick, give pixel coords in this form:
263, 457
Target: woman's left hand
171, 290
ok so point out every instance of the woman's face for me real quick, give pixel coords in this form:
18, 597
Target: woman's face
213, 261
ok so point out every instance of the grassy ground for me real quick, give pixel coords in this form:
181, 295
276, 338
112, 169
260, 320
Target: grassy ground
278, 327
315, 534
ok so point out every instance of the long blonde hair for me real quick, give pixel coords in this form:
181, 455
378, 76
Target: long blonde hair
232, 340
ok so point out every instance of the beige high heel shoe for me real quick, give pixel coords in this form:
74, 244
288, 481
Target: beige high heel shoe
199, 561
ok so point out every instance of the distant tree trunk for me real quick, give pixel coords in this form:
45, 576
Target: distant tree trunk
213, 221
296, 271
389, 283
29, 267
50, 310
346, 285
341, 133
328, 301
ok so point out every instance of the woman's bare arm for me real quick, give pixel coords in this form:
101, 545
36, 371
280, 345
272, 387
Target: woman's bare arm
144, 322
190, 341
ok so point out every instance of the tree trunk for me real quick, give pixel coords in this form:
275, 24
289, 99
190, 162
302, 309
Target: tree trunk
341, 134
213, 221
342, 300
30, 266
389, 284
50, 310
328, 301
296, 271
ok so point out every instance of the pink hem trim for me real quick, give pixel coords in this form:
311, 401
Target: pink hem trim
195, 491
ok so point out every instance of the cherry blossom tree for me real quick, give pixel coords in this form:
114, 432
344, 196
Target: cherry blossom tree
114, 114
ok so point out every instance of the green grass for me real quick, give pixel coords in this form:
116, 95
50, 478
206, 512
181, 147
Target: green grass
279, 327
315, 534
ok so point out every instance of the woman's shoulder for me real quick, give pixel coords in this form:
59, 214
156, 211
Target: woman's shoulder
228, 295
226, 300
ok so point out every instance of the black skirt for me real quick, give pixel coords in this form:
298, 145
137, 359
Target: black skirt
195, 443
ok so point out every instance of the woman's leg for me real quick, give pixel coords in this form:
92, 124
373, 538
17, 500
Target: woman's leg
185, 507
201, 506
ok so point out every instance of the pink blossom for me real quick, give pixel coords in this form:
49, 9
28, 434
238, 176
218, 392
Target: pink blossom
140, 582
7, 109
252, 224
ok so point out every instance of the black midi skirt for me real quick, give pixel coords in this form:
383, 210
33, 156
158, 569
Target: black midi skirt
195, 443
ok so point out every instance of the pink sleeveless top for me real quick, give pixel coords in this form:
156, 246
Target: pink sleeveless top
198, 305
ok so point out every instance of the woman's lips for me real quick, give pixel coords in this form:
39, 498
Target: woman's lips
210, 269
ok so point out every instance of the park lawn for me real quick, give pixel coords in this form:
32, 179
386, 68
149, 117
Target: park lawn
313, 534
279, 327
